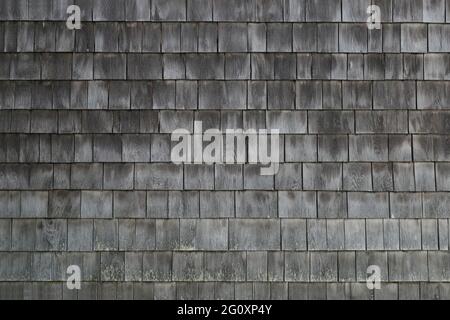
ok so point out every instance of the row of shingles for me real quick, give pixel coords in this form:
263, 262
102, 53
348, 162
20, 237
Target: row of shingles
220, 95
295, 266
207, 204
129, 147
67, 66
223, 290
382, 122
360, 150
352, 177
223, 37
100, 233
224, 10
165, 122
242, 291
376, 124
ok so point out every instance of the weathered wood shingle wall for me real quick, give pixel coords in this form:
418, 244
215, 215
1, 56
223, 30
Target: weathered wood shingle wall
86, 176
